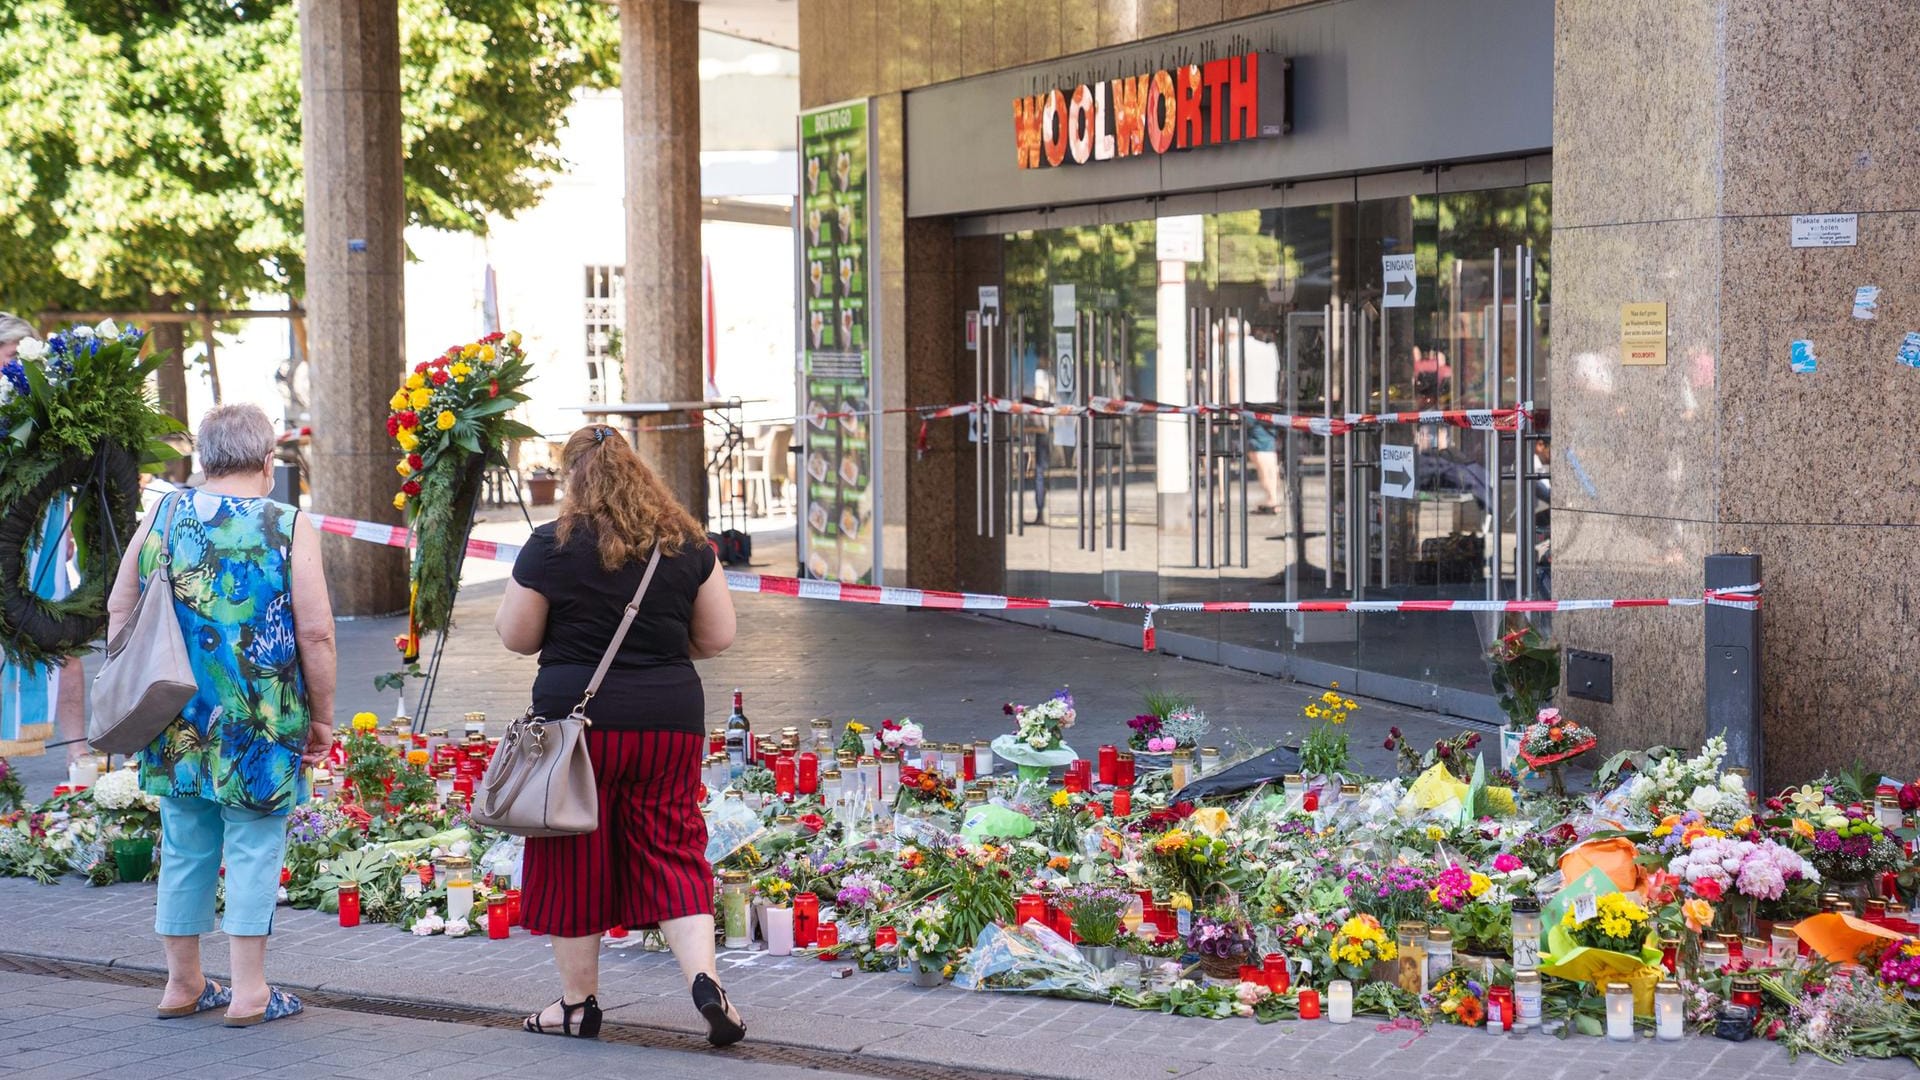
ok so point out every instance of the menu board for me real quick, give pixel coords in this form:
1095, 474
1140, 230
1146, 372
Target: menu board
839, 536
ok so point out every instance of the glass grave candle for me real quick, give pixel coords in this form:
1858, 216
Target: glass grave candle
779, 924
1526, 934
806, 919
1528, 1001
349, 902
1182, 765
1784, 946
889, 774
498, 920
733, 909
822, 736
1207, 762
1340, 1002
1309, 1004
1620, 1011
459, 887
1109, 765
1124, 768
982, 760
1669, 1012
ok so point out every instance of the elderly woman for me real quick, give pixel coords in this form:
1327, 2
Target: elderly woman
252, 604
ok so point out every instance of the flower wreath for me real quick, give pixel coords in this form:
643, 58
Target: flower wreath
76, 417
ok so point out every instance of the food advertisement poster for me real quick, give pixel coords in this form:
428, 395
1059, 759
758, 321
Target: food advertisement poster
839, 537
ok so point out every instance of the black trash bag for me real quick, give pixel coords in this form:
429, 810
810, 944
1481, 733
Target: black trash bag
1267, 768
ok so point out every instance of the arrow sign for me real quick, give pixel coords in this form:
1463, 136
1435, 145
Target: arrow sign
1400, 284
1396, 472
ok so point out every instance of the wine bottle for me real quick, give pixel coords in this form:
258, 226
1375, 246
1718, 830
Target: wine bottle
739, 739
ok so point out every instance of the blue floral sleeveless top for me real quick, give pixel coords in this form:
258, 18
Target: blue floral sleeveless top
238, 742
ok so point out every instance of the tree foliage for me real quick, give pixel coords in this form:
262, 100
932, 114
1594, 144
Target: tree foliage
151, 148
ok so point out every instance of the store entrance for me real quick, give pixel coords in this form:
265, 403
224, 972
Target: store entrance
1424, 301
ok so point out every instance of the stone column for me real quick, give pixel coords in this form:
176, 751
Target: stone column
356, 211
1687, 135
660, 91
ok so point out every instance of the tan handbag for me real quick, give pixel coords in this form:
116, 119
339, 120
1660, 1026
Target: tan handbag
540, 781
147, 677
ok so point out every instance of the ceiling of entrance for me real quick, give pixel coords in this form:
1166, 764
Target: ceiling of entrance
775, 22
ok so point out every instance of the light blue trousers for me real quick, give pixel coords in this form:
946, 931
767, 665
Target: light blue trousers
196, 835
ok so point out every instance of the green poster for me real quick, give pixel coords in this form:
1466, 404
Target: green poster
839, 531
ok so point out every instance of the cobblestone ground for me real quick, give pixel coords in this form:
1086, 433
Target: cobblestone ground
60, 1025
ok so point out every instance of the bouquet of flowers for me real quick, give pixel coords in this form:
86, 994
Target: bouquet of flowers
119, 801
1899, 969
1526, 670
1456, 887
1324, 751
1094, 911
925, 786
1357, 945
928, 937
1618, 924
1552, 739
1395, 893
13, 794
1717, 867
1455, 752
1854, 850
449, 420
900, 735
1458, 998
1673, 785
1043, 726
853, 739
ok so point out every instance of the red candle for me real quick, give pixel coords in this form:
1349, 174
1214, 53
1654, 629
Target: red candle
1746, 996
1079, 775
1309, 1004
1110, 765
829, 935
1890, 889
513, 907
420, 740
463, 787
806, 919
784, 774
1273, 967
499, 917
1063, 926
966, 763
1123, 774
1252, 974
809, 772
716, 742
1500, 1002
1122, 802
886, 937
1670, 956
349, 895
1029, 908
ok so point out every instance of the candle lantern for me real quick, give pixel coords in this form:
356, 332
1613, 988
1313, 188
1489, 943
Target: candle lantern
1029, 908
1669, 1012
1208, 762
1439, 953
349, 901
498, 919
779, 923
1410, 942
822, 736
1785, 945
831, 784
1527, 1000
1124, 769
1620, 1011
733, 908
1109, 765
982, 760
886, 937
1340, 1002
784, 771
1732, 942
806, 919
1182, 765
513, 907
889, 774
828, 936
1309, 1005
1747, 992
1500, 1009
1122, 802
1526, 933
459, 887
1273, 967
807, 772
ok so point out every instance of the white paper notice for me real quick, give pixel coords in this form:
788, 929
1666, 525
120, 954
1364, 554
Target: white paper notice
1063, 306
1826, 230
1866, 302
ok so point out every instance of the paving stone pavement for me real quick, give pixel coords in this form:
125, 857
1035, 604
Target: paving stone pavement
797, 1002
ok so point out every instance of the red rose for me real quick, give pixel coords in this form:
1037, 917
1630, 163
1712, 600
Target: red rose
439, 378
414, 462
1910, 796
1709, 890
813, 823
411, 487
286, 875
408, 418
1096, 809
393, 425
420, 368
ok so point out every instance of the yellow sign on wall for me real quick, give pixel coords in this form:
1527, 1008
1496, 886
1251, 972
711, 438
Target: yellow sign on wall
1643, 333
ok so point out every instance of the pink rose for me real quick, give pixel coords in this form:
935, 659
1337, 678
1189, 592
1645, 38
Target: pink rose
1505, 863
1548, 716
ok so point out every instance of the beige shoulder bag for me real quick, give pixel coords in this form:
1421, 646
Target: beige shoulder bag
540, 781
147, 677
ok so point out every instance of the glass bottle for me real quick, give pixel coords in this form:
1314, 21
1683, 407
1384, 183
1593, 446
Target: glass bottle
1527, 998
1669, 1012
739, 739
1439, 954
733, 908
1526, 934
459, 887
1620, 1011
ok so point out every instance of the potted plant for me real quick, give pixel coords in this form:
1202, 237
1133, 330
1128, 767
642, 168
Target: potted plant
1221, 938
1324, 751
1526, 672
542, 482
1170, 722
1038, 742
130, 818
1094, 911
929, 943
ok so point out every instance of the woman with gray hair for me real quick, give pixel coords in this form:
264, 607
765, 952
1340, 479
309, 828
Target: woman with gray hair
252, 603
31, 698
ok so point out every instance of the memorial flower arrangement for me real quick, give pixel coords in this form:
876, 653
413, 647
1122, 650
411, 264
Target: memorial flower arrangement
1526, 671
1457, 998
1617, 925
1094, 911
1552, 739
448, 420
1043, 726
1358, 944
1672, 784
1174, 726
1716, 868
899, 735
1456, 752
78, 419
1324, 750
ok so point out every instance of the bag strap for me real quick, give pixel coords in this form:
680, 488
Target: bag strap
163, 569
620, 635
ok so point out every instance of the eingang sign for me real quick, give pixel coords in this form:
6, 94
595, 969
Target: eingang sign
1228, 100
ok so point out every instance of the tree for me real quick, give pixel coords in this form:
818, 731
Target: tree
150, 149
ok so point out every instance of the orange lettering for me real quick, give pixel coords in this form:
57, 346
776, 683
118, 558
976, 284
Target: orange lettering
1187, 131
1160, 112
1053, 127
1216, 74
1026, 132
1129, 115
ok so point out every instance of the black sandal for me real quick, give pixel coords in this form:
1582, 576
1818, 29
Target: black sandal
711, 999
589, 1024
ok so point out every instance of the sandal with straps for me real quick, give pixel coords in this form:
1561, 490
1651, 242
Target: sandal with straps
588, 1024
711, 999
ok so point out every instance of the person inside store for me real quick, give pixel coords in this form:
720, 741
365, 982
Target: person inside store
646, 865
31, 697
251, 600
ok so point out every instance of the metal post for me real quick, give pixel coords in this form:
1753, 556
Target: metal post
1194, 453
1386, 516
1349, 488
1126, 425
986, 354
1493, 367
1206, 443
1244, 425
1017, 365
1733, 697
979, 444
1326, 442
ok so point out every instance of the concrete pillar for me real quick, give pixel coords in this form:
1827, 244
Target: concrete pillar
356, 211
660, 91
1683, 189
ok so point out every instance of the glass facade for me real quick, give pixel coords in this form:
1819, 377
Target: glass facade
1296, 309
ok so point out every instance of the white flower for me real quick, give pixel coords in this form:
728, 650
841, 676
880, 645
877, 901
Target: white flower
107, 330
33, 349
82, 333
1733, 785
460, 849
120, 790
1704, 799
458, 928
428, 925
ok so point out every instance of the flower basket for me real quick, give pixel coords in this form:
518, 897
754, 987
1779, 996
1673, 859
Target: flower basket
1226, 968
1541, 761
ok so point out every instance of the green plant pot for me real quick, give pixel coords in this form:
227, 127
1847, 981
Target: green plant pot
133, 858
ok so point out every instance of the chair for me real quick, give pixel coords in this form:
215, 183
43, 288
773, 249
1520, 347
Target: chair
767, 464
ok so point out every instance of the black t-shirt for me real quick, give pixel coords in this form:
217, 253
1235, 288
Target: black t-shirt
652, 685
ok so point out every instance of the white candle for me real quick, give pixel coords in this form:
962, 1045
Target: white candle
459, 900
1668, 1015
83, 772
1340, 1002
1619, 1012
982, 761
779, 931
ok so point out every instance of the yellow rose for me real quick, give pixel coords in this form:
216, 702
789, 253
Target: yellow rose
469, 351
1211, 821
416, 380
486, 352
403, 469
400, 501
365, 721
407, 439
459, 370
421, 397
445, 420
513, 339
398, 401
